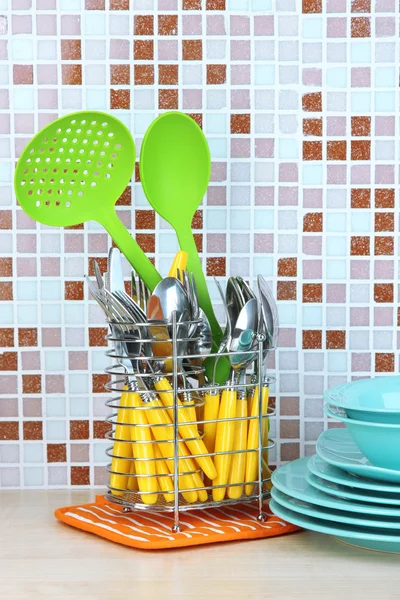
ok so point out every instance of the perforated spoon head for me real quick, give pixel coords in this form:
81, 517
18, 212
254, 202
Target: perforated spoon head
75, 169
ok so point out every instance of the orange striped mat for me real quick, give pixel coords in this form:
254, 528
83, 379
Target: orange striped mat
151, 530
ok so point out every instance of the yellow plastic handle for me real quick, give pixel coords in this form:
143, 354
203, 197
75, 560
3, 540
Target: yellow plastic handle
164, 479
122, 450
196, 446
142, 449
224, 442
180, 262
132, 481
238, 464
211, 408
252, 461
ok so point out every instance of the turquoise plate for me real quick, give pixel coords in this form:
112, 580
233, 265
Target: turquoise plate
342, 491
328, 514
336, 446
291, 479
317, 466
362, 537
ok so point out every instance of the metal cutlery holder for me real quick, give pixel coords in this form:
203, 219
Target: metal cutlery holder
133, 374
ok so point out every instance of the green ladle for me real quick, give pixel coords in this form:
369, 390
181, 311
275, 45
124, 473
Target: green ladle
175, 167
74, 170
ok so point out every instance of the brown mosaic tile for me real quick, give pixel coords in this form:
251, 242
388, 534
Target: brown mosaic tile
198, 240
312, 150
384, 362
32, 430
27, 336
147, 241
290, 451
145, 219
384, 246
100, 428
335, 340
286, 290
31, 384
120, 75
197, 221
360, 245
216, 266
71, 74
312, 127
125, 198
240, 124
6, 290
6, 337
360, 27
312, 102
97, 336
9, 430
360, 198
8, 361
144, 25
120, 99
287, 267
313, 222
22, 74
384, 221
312, 292
168, 75
56, 453
144, 74
336, 150
80, 476
290, 406
167, 24
168, 99
191, 4
360, 150
384, 198
143, 50
383, 292
6, 267
192, 50
98, 383
137, 172
79, 226
73, 290
215, 4
216, 74
79, 430
361, 6
71, 50
312, 340
95, 4
101, 261
5, 219
119, 4
198, 118
312, 6
361, 126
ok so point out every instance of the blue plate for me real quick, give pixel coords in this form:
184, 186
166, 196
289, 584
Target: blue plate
317, 466
379, 442
362, 537
336, 447
328, 514
342, 491
291, 479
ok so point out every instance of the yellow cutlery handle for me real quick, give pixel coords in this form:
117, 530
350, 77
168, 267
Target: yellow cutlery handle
224, 441
122, 449
238, 464
132, 481
180, 262
196, 446
211, 409
164, 481
142, 449
157, 415
252, 461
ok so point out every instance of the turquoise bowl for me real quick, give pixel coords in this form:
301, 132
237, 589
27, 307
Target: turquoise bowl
379, 442
373, 400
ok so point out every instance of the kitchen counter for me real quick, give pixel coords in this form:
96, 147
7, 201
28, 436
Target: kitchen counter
43, 558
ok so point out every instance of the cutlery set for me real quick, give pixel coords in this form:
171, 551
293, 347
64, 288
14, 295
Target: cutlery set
190, 406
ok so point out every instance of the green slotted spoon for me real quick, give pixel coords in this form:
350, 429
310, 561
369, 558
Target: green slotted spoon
175, 167
74, 170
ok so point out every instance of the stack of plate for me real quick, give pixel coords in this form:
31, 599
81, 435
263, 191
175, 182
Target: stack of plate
351, 487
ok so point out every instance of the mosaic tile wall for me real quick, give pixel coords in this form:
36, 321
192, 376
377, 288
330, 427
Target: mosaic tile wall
300, 103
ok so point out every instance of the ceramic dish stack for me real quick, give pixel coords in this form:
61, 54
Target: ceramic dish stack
351, 487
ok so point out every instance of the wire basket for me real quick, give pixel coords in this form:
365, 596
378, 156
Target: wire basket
161, 430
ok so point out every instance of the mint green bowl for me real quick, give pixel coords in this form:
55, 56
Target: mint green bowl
379, 442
